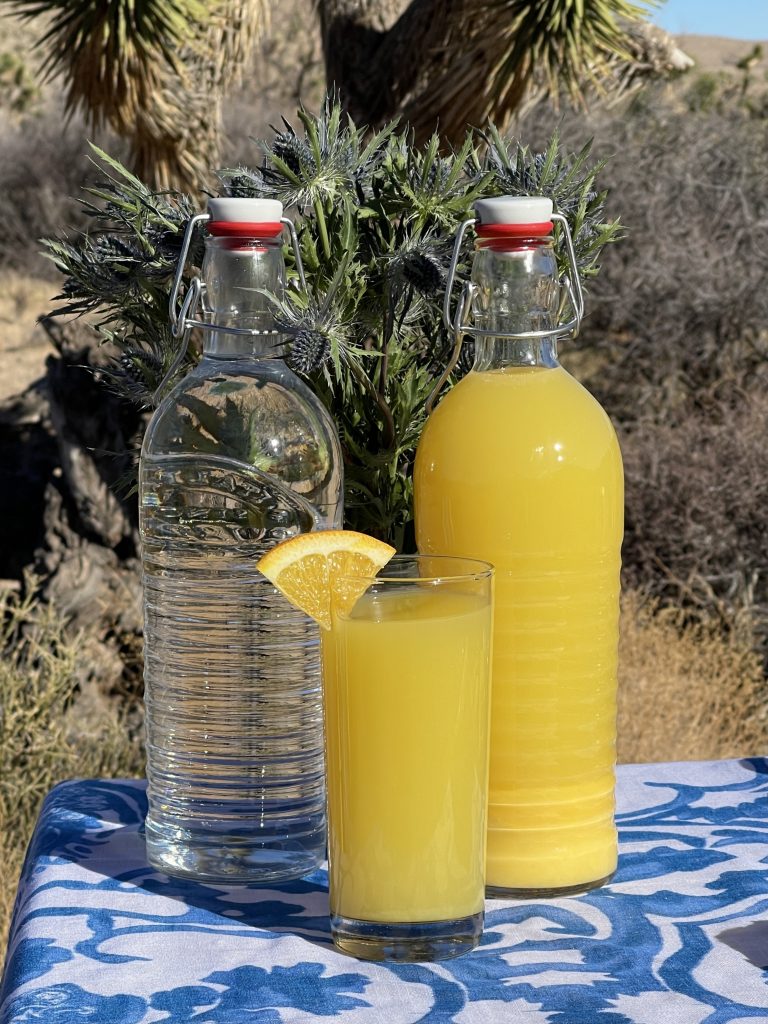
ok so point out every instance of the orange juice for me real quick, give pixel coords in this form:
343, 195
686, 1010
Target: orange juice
406, 719
520, 466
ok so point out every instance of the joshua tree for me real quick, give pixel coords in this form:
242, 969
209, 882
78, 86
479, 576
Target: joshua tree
155, 71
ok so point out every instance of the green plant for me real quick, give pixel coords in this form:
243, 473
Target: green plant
153, 71
706, 91
375, 220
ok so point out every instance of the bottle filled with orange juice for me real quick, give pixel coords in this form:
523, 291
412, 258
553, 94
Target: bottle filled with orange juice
519, 465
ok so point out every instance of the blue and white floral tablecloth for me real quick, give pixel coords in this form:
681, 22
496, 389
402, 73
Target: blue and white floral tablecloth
680, 936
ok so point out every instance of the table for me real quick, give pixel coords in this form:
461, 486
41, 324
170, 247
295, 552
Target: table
680, 935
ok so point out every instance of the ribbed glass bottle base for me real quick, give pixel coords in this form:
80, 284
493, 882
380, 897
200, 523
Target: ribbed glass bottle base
234, 859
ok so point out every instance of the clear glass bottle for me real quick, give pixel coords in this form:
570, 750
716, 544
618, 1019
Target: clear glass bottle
520, 466
240, 455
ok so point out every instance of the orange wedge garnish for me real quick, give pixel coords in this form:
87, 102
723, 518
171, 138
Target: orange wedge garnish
325, 569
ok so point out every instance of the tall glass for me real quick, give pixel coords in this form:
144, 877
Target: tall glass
407, 704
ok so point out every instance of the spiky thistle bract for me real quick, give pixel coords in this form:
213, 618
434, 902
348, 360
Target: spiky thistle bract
567, 179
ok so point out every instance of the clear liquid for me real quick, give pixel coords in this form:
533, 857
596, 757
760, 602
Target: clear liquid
232, 678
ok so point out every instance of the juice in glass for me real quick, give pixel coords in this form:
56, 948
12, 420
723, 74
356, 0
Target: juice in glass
406, 689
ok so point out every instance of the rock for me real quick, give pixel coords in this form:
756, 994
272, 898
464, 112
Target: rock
96, 431
99, 594
29, 459
67, 450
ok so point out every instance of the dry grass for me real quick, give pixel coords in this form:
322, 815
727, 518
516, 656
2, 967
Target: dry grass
687, 690
46, 735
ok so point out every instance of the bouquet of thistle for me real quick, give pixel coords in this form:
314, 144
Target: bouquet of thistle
376, 217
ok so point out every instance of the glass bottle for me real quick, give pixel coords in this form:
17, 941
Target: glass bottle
520, 466
240, 455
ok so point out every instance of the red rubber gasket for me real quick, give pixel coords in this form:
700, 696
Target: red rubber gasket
244, 229
514, 230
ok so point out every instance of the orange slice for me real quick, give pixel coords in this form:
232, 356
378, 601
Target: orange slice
313, 570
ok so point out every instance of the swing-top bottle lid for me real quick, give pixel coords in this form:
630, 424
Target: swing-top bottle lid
514, 215
240, 216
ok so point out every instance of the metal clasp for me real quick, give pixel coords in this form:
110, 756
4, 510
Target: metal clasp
458, 326
183, 319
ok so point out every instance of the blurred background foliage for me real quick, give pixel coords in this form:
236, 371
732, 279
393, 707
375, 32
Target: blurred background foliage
674, 343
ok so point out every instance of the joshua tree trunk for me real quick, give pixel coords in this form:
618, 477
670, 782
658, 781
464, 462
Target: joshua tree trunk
428, 61
452, 64
67, 447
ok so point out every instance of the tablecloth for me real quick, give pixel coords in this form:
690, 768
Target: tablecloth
680, 935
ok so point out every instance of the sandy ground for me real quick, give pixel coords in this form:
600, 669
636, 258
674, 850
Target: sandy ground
23, 343
713, 53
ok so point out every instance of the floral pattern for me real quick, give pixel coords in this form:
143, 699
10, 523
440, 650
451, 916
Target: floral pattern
680, 934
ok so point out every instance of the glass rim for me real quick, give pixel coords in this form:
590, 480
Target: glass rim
482, 570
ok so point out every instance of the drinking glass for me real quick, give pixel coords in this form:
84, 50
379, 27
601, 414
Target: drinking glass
407, 705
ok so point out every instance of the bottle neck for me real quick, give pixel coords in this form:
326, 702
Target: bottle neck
516, 292
224, 345
498, 353
241, 275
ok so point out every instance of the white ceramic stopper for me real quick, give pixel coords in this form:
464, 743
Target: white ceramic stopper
514, 210
245, 211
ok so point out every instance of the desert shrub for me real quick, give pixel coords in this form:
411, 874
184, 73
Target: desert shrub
18, 90
43, 163
677, 318
687, 690
46, 735
675, 345
705, 91
697, 509
725, 92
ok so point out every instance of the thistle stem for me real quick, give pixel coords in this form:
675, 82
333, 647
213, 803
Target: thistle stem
381, 402
319, 213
